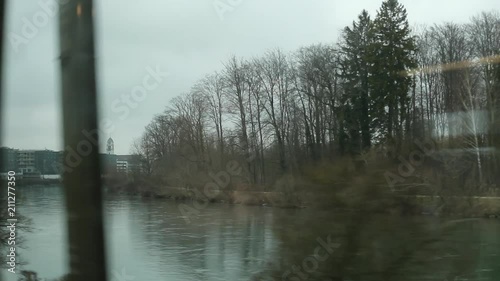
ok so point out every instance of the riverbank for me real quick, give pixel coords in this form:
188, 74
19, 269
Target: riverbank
253, 240
456, 206
33, 181
250, 198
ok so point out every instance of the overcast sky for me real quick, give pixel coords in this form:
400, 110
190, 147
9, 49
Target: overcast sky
186, 38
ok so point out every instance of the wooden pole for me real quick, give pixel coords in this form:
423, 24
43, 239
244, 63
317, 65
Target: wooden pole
2, 18
82, 181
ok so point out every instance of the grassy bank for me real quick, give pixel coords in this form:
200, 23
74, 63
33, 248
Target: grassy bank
369, 201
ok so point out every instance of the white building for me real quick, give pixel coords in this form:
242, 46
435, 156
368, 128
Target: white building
26, 161
122, 166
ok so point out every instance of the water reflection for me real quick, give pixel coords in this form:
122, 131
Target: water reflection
149, 240
223, 243
375, 247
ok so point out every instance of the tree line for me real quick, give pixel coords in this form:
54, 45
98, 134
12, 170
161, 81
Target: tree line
383, 85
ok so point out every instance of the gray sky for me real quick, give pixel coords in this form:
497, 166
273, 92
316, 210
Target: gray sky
186, 38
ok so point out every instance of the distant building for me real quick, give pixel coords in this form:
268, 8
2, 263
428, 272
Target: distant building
121, 166
128, 164
134, 164
46, 161
30, 161
39, 163
8, 158
110, 146
108, 163
26, 161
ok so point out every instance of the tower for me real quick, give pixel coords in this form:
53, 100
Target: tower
110, 146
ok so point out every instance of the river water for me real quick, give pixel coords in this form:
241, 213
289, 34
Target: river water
151, 240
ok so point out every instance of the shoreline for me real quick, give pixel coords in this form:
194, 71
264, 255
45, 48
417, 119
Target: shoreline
412, 205
419, 205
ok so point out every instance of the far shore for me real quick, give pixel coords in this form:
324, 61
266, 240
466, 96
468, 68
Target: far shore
461, 206
478, 206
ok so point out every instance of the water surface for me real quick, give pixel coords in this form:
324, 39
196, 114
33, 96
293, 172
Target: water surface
150, 240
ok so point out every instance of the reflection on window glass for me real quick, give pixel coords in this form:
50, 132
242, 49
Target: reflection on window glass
253, 140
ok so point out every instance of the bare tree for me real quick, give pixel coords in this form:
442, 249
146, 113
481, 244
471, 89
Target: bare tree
452, 47
236, 93
484, 36
212, 87
274, 71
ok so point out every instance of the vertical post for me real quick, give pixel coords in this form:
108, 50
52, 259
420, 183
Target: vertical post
2, 18
82, 181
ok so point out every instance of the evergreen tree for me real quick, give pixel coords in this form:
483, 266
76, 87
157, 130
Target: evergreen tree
393, 54
356, 47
